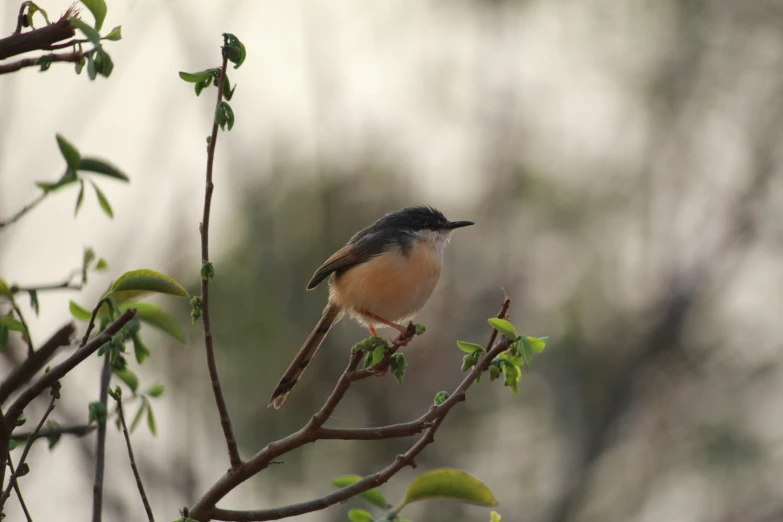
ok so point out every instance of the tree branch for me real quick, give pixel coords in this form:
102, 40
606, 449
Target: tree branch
7, 68
139, 485
19, 494
40, 39
76, 431
62, 369
20, 466
100, 443
27, 208
64, 285
33, 364
225, 419
205, 508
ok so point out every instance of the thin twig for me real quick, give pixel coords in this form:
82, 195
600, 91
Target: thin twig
139, 485
55, 431
25, 371
64, 285
20, 466
7, 68
205, 508
100, 443
20, 18
27, 208
62, 369
27, 337
8, 419
19, 494
225, 420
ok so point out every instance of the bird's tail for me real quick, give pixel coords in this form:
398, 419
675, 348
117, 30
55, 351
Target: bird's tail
297, 367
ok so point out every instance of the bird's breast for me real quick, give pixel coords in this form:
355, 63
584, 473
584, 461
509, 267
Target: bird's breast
391, 285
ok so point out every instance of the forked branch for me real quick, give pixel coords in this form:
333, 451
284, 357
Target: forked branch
205, 508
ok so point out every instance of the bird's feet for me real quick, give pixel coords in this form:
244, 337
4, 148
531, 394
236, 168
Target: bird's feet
381, 320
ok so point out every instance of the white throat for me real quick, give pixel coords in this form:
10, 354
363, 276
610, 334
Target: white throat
437, 238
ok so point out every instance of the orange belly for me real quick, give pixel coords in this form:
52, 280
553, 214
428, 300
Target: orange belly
392, 286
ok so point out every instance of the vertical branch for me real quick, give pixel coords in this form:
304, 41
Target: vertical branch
139, 485
100, 448
225, 420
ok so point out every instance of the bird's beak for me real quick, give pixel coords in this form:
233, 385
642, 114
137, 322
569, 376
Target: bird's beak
459, 224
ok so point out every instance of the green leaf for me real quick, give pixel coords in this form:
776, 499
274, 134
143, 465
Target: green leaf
34, 301
128, 377
82, 314
79, 198
5, 289
398, 366
199, 76
513, 374
91, 34
79, 66
115, 34
97, 412
504, 327
377, 354
102, 265
207, 271
359, 515
69, 152
373, 496
92, 73
140, 350
139, 413
3, 337
151, 420
538, 343
224, 115
98, 10
228, 92
103, 201
448, 483
45, 62
87, 259
440, 398
11, 323
494, 371
236, 49
12, 444
527, 352
32, 8
469, 347
103, 63
102, 167
137, 282
155, 391
494, 517
156, 316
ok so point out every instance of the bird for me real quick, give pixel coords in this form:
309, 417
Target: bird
382, 277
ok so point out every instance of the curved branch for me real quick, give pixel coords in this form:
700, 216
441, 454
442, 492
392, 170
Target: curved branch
225, 419
205, 508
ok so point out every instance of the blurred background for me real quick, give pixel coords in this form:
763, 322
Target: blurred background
622, 161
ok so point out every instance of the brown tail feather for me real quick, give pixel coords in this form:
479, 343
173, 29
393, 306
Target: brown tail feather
304, 355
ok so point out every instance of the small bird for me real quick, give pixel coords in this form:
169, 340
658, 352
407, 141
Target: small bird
383, 276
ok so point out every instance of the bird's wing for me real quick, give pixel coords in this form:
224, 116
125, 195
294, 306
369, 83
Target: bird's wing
350, 255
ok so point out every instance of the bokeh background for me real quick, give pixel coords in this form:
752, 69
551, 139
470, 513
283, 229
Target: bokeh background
622, 161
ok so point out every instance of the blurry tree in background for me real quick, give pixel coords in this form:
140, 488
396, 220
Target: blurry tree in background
622, 161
